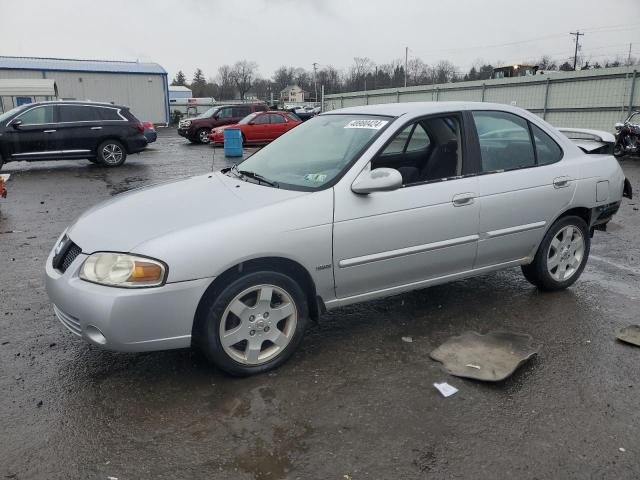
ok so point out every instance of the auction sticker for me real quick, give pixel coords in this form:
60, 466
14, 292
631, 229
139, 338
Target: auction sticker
371, 124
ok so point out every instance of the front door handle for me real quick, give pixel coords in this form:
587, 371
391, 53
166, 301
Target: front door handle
462, 199
49, 131
561, 182
96, 128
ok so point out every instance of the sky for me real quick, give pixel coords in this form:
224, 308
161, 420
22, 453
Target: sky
189, 34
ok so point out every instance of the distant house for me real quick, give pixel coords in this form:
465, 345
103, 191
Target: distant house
179, 91
293, 93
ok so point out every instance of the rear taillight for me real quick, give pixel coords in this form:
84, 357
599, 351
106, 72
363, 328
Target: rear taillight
147, 125
139, 127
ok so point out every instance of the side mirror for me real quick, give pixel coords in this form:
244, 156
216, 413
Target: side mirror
619, 125
377, 180
16, 124
252, 122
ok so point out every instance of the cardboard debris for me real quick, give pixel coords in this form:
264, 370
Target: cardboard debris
491, 357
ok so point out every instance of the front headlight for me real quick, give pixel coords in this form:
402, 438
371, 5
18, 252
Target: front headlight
187, 123
122, 270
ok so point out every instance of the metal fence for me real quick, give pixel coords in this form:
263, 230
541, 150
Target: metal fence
585, 99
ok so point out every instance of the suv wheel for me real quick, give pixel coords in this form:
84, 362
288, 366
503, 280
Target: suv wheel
203, 135
254, 324
111, 153
562, 255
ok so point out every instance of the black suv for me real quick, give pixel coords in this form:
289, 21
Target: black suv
59, 130
197, 129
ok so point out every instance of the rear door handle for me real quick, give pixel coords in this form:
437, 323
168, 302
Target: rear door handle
462, 199
561, 182
49, 131
96, 128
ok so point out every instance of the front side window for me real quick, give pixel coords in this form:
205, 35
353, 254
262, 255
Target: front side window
316, 152
37, 116
425, 151
547, 150
262, 120
225, 113
77, 113
505, 143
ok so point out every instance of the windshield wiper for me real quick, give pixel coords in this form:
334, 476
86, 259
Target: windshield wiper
256, 176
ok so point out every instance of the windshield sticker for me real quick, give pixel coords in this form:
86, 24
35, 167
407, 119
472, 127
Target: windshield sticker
372, 124
316, 177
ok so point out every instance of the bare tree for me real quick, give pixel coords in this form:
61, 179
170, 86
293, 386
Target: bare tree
283, 77
225, 82
444, 72
243, 74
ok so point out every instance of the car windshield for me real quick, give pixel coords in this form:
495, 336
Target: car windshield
11, 112
247, 119
315, 152
209, 113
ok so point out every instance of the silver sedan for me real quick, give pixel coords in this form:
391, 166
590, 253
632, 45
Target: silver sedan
352, 205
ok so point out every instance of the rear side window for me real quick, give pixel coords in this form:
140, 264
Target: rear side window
77, 113
505, 142
294, 117
262, 119
241, 111
275, 118
37, 115
108, 114
547, 150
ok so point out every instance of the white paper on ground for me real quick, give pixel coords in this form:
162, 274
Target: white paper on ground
445, 389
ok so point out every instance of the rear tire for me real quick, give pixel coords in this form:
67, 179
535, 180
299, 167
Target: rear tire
254, 324
618, 150
203, 136
561, 256
111, 153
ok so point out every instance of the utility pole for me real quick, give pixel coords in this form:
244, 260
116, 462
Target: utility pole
315, 84
575, 55
629, 56
406, 59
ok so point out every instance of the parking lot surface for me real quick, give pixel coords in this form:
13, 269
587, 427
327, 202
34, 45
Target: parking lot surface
356, 401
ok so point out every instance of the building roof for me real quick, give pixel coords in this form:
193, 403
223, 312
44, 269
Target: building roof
76, 65
179, 88
40, 87
289, 87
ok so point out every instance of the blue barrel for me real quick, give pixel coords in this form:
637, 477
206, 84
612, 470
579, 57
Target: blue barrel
232, 142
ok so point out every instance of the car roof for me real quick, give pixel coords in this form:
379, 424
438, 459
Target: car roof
422, 108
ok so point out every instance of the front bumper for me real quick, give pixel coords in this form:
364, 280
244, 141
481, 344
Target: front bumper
186, 132
124, 319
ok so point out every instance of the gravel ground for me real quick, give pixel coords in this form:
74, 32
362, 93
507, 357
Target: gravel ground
355, 402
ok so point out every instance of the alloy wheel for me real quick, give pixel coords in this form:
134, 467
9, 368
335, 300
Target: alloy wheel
204, 136
566, 252
112, 154
258, 324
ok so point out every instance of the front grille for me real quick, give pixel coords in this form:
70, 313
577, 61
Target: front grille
70, 255
72, 324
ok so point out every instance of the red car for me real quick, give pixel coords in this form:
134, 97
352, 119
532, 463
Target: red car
259, 127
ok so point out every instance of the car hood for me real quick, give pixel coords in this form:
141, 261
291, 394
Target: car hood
132, 218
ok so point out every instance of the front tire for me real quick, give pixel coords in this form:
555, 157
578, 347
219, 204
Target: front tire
111, 153
203, 136
254, 324
618, 150
561, 256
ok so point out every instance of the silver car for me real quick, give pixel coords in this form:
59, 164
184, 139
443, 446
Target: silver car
355, 204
